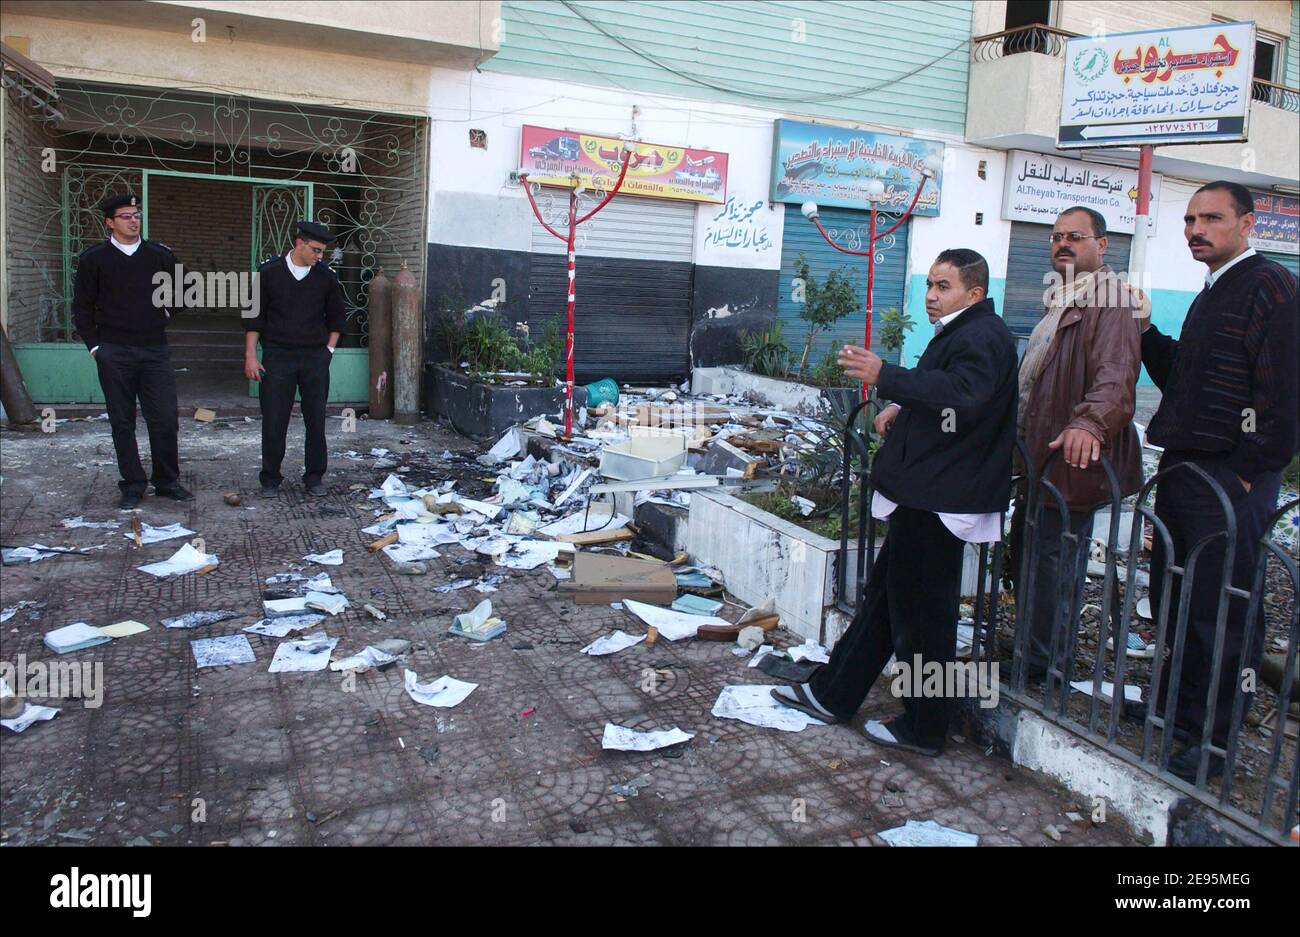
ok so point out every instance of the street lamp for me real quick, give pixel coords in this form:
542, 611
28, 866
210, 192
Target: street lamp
575, 189
875, 190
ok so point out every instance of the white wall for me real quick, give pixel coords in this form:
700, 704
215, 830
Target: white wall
472, 203
965, 194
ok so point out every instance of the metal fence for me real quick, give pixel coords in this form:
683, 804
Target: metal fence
1272, 807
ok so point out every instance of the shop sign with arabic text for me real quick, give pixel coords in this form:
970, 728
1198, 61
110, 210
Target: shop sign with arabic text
1039, 187
1185, 85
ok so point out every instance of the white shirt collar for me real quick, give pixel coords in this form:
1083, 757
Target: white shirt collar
1212, 278
297, 271
947, 320
127, 249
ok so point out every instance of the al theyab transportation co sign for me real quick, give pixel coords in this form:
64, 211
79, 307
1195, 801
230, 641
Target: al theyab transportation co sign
1186, 85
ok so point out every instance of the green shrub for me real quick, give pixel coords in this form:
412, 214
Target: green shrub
765, 351
824, 303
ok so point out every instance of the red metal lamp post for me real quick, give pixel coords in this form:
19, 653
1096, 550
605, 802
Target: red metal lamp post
574, 221
875, 190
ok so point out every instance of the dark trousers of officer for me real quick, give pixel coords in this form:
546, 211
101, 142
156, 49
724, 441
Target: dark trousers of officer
909, 607
306, 372
128, 372
1191, 511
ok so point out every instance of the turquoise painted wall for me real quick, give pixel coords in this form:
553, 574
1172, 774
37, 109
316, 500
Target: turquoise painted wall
1293, 49
922, 331
800, 57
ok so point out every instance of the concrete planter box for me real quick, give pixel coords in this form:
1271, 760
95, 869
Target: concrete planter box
478, 409
793, 396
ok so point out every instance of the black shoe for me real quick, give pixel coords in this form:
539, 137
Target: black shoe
175, 492
130, 500
1187, 762
270, 491
892, 733
315, 491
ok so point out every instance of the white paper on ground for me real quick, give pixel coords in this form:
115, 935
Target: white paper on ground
453, 586
443, 692
223, 651
151, 534
31, 713
623, 739
330, 558
489, 511
185, 560
276, 608
303, 655
560, 574
80, 521
530, 554
285, 625
37, 551
671, 625
368, 657
392, 487
1132, 694
74, 637
762, 652
927, 833
577, 483
123, 629
754, 704
809, 650
612, 644
507, 447
383, 528
331, 602
427, 533
410, 552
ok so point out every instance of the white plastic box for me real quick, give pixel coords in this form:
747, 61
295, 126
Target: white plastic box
643, 457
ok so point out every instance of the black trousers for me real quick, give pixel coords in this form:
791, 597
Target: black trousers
1186, 505
306, 372
909, 607
1059, 570
128, 372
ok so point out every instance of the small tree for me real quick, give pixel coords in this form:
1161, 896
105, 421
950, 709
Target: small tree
824, 304
894, 326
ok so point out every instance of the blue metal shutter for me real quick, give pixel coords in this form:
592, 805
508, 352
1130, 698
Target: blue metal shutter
849, 227
1029, 259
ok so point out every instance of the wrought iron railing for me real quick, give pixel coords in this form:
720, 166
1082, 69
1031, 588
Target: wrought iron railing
1275, 95
1271, 810
1037, 37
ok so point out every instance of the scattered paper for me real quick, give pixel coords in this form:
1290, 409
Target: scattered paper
37, 551
222, 652
754, 704
74, 637
584, 521
612, 644
530, 554
329, 602
196, 619
453, 586
78, 521
285, 625
370, 657
332, 558
1132, 694
927, 833
760, 654
507, 447
623, 739
303, 655
443, 692
671, 625
183, 561
151, 534
275, 608
30, 713
123, 629
809, 650
410, 552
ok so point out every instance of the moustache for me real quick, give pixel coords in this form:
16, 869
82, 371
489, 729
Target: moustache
1197, 242
1064, 254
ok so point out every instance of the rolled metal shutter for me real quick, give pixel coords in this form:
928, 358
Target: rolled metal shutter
632, 314
850, 228
1290, 261
1029, 259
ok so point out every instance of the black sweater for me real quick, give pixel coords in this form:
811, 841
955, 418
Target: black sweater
949, 450
297, 313
1234, 367
113, 296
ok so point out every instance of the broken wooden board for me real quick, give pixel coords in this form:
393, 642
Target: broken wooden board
759, 444
592, 537
204, 415
376, 545
732, 631
601, 578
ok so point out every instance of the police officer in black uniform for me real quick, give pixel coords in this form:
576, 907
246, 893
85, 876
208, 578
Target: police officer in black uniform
299, 320
125, 331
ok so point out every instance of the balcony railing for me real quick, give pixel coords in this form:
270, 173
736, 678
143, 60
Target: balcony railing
1045, 40
1275, 95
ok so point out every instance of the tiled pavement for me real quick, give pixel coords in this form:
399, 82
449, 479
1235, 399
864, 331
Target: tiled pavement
240, 756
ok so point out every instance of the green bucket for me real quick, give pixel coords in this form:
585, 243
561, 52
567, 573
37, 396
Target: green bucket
601, 392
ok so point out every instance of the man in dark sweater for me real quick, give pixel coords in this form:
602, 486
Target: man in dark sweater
124, 329
299, 319
943, 478
1230, 406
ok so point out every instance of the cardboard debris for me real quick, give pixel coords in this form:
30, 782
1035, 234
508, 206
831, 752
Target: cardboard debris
600, 578
204, 415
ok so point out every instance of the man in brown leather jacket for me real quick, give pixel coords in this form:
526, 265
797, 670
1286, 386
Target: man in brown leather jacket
1077, 379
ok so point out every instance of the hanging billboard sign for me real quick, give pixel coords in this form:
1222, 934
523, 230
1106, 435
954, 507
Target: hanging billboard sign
551, 157
1039, 187
1185, 85
1277, 223
832, 166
